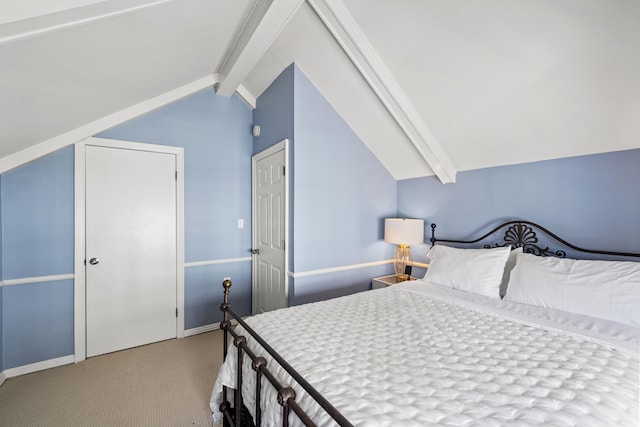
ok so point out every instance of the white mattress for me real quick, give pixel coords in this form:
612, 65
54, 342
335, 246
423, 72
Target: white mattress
418, 354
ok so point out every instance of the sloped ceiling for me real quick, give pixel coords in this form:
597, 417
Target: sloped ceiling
431, 87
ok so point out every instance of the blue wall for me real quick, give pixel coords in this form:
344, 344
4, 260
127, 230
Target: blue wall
341, 196
215, 132
274, 113
590, 201
37, 217
36, 212
38, 322
37, 240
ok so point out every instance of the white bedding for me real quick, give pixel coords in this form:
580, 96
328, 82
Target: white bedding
420, 354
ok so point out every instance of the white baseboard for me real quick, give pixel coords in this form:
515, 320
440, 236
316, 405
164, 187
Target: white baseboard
201, 329
39, 366
3, 377
205, 328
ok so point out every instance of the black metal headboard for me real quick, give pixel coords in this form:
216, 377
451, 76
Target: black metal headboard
523, 234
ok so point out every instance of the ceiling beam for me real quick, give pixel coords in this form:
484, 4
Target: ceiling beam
264, 23
65, 19
348, 34
90, 129
246, 96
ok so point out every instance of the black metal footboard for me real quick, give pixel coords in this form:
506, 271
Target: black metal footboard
235, 416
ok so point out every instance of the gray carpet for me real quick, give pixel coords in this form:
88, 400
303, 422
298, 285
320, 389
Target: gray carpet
163, 384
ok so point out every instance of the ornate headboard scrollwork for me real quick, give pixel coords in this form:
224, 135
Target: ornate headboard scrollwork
524, 234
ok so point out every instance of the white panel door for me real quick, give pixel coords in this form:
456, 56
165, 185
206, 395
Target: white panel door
131, 236
269, 233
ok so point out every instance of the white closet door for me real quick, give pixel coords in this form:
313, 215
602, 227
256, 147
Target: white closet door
131, 237
269, 233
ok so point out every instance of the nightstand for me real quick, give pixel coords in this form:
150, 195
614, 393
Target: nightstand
384, 281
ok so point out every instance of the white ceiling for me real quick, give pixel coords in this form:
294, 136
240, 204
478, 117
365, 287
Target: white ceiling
429, 86
25, 9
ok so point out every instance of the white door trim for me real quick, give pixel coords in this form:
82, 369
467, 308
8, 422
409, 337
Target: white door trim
282, 145
79, 314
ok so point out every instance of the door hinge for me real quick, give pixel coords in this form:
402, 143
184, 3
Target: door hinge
176, 175
284, 168
283, 245
176, 312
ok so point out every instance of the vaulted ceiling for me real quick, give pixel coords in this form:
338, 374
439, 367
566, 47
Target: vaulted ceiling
430, 86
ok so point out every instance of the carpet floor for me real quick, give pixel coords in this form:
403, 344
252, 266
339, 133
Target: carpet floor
163, 384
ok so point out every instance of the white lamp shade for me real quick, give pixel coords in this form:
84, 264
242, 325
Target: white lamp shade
404, 231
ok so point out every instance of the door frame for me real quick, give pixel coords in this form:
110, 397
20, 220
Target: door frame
79, 287
282, 145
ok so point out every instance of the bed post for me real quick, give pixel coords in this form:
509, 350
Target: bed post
226, 284
433, 234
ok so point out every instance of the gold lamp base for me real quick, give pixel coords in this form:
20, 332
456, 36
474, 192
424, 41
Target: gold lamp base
401, 260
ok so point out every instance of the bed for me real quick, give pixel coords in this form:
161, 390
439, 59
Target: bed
558, 345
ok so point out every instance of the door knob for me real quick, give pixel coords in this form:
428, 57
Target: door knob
255, 251
94, 261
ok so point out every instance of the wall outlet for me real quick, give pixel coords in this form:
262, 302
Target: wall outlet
241, 223
226, 278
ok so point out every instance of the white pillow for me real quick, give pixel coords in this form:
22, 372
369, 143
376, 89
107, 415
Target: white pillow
603, 289
511, 262
473, 270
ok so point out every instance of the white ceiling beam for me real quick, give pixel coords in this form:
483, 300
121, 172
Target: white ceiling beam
265, 22
348, 34
246, 96
65, 19
90, 129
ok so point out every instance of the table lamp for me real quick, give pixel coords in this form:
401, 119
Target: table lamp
403, 232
